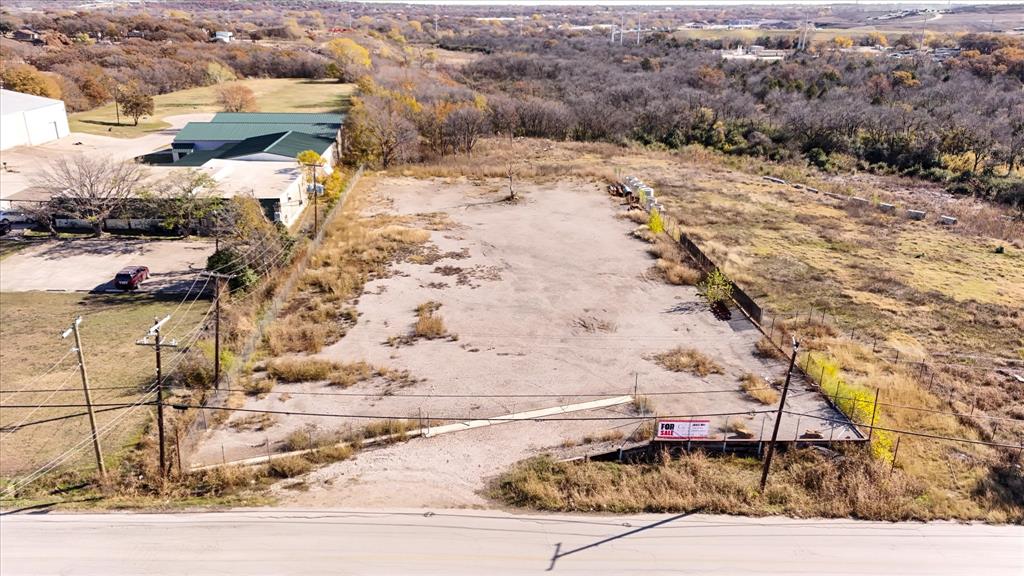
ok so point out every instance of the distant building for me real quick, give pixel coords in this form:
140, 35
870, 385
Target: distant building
28, 120
223, 36
26, 35
754, 53
253, 154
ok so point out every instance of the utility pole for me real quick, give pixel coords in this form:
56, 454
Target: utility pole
778, 417
316, 189
637, 28
157, 345
216, 324
88, 398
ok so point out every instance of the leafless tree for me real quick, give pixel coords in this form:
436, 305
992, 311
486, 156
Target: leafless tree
464, 126
91, 188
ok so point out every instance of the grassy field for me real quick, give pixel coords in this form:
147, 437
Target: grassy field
30, 344
272, 95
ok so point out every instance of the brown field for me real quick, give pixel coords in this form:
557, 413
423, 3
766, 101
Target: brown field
30, 328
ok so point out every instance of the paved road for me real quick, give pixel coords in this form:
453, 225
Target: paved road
489, 542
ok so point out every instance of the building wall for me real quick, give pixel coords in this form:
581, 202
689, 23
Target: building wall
33, 127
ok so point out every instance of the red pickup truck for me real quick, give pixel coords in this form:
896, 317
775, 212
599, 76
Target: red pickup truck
129, 278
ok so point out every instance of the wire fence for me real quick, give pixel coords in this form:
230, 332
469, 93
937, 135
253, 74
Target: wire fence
188, 439
818, 369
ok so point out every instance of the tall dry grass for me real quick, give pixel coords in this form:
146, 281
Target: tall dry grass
803, 483
688, 360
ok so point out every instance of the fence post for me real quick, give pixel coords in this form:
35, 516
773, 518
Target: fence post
897, 360
895, 452
771, 332
874, 409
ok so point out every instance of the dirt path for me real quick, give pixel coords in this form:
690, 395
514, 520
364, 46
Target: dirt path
551, 296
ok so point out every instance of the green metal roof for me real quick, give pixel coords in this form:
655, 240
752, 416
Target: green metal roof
238, 131
279, 117
200, 157
287, 144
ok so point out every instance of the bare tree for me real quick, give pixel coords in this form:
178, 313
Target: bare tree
186, 199
91, 188
237, 98
464, 126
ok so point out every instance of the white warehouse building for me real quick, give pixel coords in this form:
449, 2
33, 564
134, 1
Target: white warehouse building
27, 120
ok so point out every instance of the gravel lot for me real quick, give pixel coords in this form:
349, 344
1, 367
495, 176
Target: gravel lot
517, 284
89, 264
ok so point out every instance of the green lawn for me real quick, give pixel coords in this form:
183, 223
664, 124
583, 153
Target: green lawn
272, 95
30, 344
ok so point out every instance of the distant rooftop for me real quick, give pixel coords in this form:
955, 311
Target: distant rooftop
279, 117
238, 131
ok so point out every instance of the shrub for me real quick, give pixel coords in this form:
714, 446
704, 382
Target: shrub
688, 360
429, 324
258, 387
288, 467
758, 389
656, 223
678, 274
301, 369
716, 287
351, 373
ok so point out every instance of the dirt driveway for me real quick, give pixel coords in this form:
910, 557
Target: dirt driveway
89, 265
551, 297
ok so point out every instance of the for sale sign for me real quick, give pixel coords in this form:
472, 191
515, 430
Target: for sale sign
683, 429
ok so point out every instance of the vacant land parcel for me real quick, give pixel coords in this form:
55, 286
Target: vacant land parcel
507, 307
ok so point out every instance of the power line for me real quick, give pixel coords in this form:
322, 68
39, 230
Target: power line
41, 376
10, 429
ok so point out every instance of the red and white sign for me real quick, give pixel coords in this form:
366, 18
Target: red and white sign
683, 429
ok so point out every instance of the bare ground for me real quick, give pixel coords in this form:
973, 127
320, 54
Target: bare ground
549, 296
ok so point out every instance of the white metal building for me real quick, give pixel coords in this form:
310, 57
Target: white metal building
27, 120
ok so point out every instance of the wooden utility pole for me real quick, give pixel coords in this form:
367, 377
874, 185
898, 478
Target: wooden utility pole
157, 345
216, 324
778, 417
88, 398
316, 189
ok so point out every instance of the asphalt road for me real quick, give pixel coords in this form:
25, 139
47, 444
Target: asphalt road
490, 542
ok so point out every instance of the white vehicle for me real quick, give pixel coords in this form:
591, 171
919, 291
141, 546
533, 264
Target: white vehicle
13, 216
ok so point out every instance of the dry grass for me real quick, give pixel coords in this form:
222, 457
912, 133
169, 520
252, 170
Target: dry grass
766, 349
677, 273
258, 387
253, 423
688, 360
803, 483
350, 373
606, 436
301, 369
643, 405
429, 323
355, 249
758, 388
739, 429
288, 467
394, 430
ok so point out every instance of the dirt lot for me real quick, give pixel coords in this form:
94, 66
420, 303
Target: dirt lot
90, 264
549, 296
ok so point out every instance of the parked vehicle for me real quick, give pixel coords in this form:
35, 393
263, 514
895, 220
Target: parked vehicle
129, 278
13, 216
